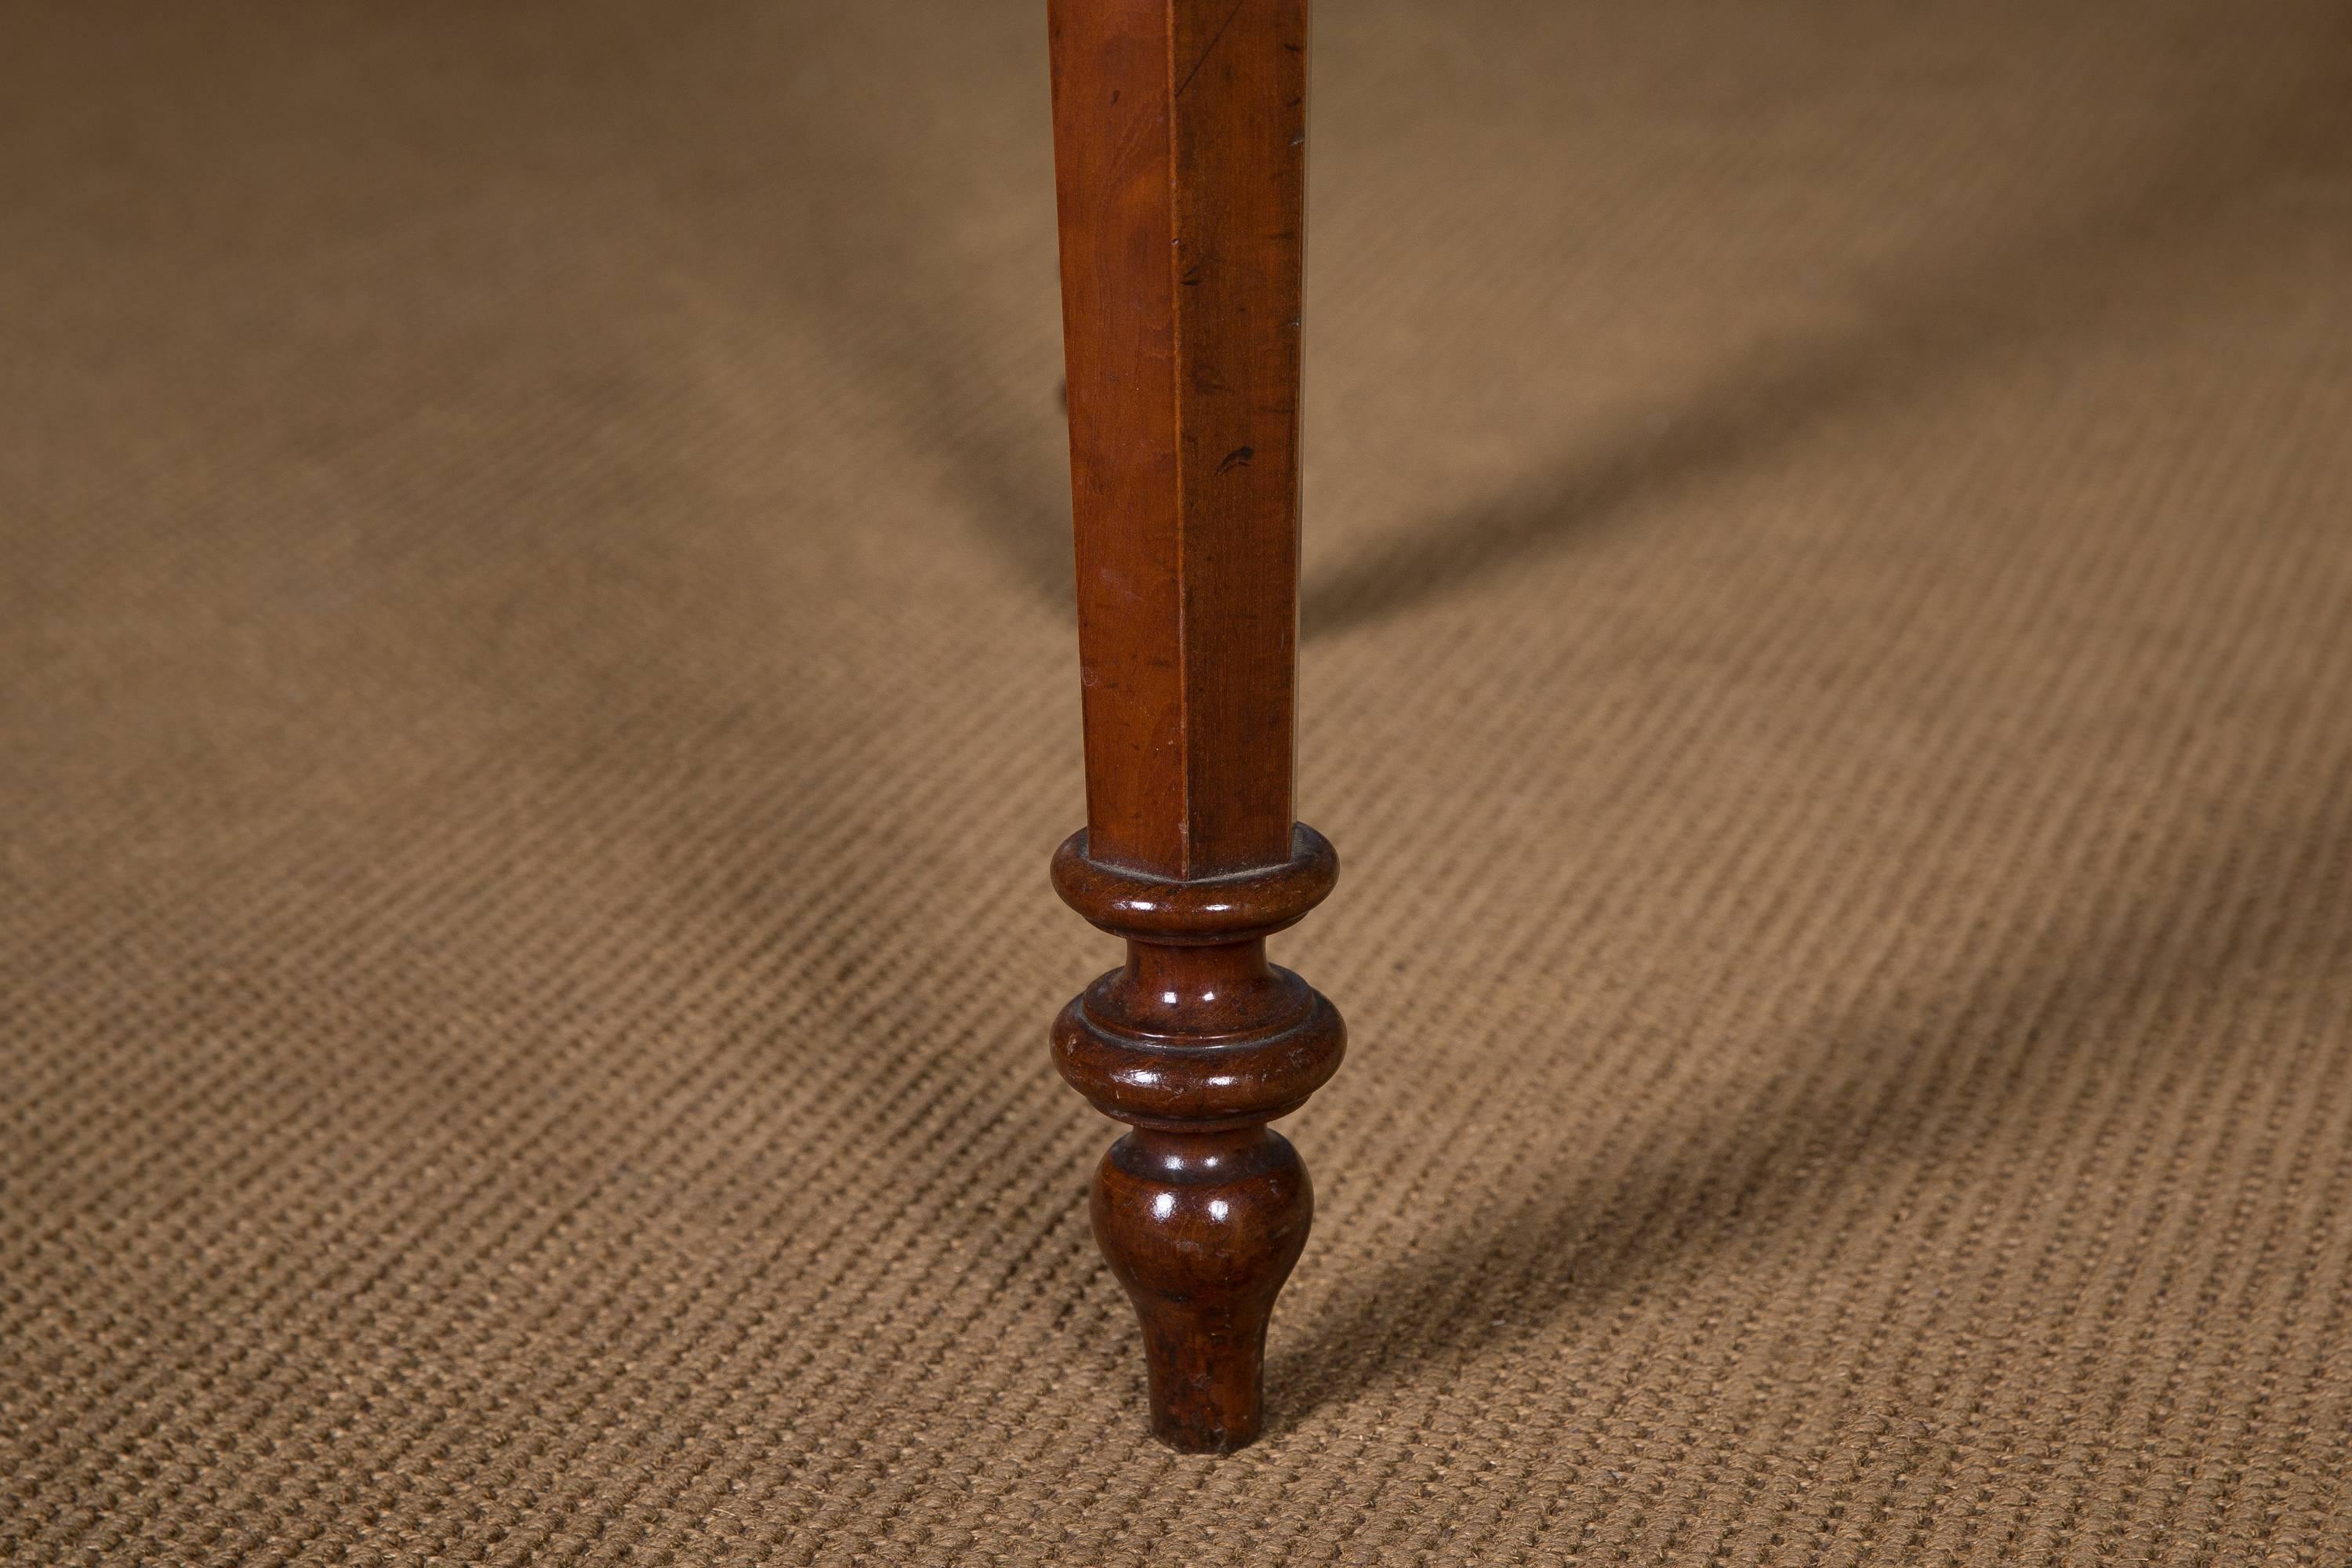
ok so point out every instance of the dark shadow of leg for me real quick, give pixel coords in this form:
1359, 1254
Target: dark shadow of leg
2062, 274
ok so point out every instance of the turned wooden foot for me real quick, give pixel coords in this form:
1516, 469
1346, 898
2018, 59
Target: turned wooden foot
1202, 1229
1197, 1042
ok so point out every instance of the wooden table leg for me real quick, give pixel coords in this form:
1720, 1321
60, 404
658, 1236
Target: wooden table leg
1180, 133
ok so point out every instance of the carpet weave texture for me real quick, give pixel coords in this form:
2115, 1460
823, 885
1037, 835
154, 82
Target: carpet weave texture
538, 685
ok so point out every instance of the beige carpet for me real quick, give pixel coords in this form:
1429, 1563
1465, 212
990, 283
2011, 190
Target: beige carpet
538, 688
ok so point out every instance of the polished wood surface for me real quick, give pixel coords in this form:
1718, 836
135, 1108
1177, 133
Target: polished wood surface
1179, 143
1179, 134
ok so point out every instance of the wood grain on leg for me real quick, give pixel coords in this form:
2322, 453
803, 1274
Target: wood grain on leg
1180, 133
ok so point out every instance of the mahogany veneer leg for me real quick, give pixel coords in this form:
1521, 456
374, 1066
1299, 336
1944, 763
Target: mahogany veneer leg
1180, 133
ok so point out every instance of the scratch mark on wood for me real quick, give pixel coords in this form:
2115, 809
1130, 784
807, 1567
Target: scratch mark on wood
1211, 49
1239, 458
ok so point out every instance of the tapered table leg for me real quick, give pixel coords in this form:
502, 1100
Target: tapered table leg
1180, 133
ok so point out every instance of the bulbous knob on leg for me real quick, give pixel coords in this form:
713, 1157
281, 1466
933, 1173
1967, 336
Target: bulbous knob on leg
1202, 1228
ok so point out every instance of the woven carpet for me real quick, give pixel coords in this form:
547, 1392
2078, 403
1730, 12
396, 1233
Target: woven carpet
536, 686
